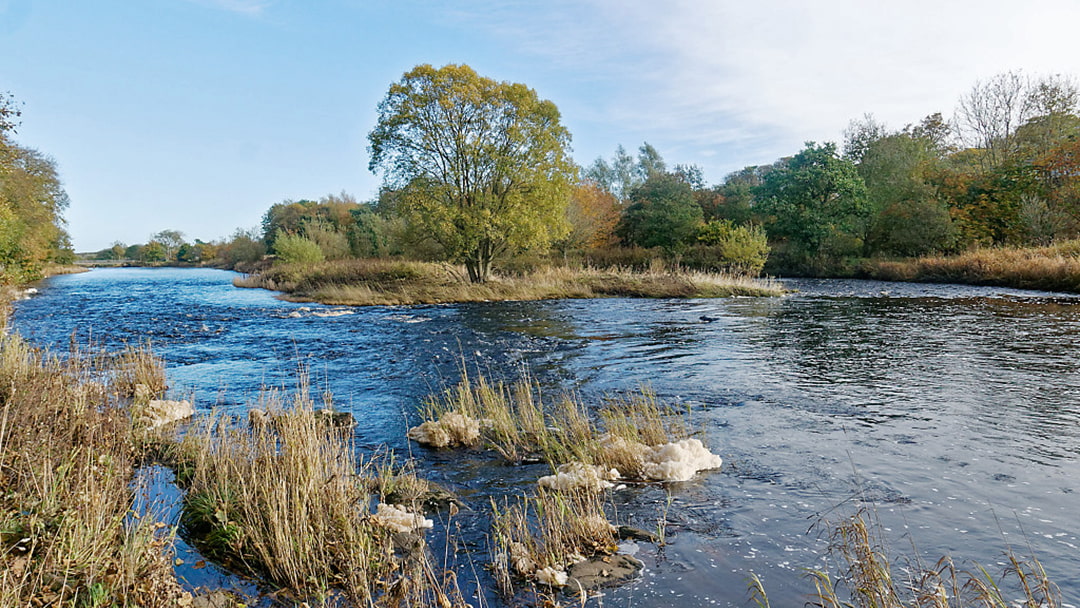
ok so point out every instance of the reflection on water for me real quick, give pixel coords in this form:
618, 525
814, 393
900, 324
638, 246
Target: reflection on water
954, 409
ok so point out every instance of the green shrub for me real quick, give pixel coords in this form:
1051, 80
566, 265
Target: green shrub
295, 249
725, 246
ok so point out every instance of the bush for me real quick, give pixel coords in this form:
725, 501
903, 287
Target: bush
726, 247
295, 249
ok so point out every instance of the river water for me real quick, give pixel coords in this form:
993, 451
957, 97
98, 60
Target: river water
953, 412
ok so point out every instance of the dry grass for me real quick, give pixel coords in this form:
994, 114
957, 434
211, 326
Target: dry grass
291, 504
139, 374
1055, 268
547, 532
66, 464
868, 579
388, 282
514, 421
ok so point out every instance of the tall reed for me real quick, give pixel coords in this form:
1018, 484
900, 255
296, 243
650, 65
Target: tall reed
290, 502
868, 578
66, 463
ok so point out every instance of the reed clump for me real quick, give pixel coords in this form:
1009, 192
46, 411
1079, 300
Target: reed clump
70, 532
290, 503
139, 373
636, 436
390, 282
538, 538
869, 579
1053, 268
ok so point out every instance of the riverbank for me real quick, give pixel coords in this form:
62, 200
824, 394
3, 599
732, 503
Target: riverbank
1052, 268
389, 282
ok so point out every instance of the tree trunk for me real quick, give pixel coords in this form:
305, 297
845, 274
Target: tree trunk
479, 266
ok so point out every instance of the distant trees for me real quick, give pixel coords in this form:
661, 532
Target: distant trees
476, 170
662, 213
32, 203
816, 203
482, 165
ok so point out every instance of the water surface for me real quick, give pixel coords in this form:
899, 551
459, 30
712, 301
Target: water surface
953, 410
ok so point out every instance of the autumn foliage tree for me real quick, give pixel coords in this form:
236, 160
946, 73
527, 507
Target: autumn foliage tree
593, 213
482, 166
32, 202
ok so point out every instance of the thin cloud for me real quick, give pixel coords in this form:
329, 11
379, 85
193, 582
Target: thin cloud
763, 77
243, 7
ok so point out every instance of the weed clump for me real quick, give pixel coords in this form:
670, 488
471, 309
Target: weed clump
637, 438
289, 502
67, 460
538, 538
868, 578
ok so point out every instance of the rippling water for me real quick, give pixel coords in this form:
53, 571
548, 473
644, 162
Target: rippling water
953, 409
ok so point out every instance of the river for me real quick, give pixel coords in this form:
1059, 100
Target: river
952, 411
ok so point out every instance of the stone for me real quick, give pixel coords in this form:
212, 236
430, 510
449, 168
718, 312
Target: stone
603, 571
632, 533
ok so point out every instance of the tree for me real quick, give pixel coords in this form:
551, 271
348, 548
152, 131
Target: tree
297, 249
860, 135
816, 202
483, 166
990, 114
732, 248
9, 113
153, 251
171, 240
663, 213
593, 214
32, 201
618, 177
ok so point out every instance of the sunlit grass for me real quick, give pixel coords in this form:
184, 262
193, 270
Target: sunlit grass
1054, 268
290, 502
389, 282
67, 459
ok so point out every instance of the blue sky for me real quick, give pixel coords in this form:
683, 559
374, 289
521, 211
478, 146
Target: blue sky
197, 115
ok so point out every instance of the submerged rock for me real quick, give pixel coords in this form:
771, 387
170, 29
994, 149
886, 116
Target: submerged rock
603, 571
335, 418
632, 533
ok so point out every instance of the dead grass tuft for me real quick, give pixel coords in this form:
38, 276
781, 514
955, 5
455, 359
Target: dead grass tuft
67, 536
1054, 268
290, 503
391, 282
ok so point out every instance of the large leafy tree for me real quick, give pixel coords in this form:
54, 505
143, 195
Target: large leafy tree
483, 166
816, 202
663, 213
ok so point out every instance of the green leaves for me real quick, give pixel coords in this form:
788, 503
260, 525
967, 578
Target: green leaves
815, 200
482, 166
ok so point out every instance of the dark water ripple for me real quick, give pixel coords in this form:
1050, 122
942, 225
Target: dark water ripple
954, 410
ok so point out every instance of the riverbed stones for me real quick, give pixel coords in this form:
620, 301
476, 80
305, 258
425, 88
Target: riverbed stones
603, 571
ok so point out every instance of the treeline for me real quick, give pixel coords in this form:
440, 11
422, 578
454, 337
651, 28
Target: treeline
32, 202
1003, 170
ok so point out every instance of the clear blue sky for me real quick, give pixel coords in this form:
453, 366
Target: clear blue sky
197, 115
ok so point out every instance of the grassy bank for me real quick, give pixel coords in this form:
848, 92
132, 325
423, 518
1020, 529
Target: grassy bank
70, 530
1053, 268
389, 282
